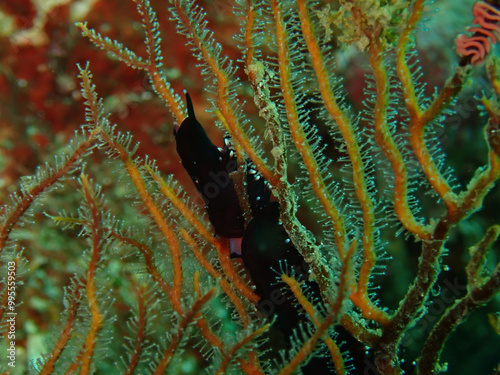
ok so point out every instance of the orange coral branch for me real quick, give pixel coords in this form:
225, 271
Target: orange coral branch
115, 49
361, 333
417, 141
311, 311
27, 199
403, 70
202, 323
149, 260
262, 98
222, 82
211, 337
216, 275
96, 317
358, 167
419, 118
302, 239
141, 330
65, 335
359, 296
74, 366
222, 252
298, 135
161, 222
472, 199
345, 127
309, 345
389, 148
226, 360
251, 366
160, 85
187, 318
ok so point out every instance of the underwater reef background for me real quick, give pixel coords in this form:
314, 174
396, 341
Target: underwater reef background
115, 263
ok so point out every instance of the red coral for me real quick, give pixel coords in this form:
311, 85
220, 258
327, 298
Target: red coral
23, 10
477, 46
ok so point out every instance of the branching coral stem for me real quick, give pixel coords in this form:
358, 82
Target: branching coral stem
148, 259
361, 298
420, 149
240, 344
160, 85
222, 82
97, 317
262, 98
480, 290
313, 315
27, 199
75, 300
309, 345
386, 142
472, 199
420, 118
186, 318
250, 366
222, 252
95, 119
141, 330
216, 275
403, 69
154, 210
298, 135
